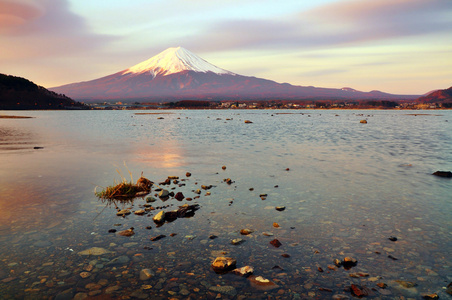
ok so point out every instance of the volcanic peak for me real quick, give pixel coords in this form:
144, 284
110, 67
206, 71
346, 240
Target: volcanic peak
174, 60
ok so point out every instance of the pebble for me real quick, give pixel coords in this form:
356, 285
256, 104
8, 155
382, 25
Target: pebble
123, 212
222, 264
237, 241
226, 290
146, 274
85, 274
276, 243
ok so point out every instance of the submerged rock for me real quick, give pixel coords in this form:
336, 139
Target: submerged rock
123, 212
447, 174
223, 264
262, 284
95, 251
433, 296
246, 231
226, 290
244, 271
146, 274
359, 291
127, 232
237, 241
276, 243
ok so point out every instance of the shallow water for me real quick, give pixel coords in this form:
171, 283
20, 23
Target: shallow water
347, 187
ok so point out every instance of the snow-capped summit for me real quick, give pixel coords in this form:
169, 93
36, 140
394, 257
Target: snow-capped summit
175, 60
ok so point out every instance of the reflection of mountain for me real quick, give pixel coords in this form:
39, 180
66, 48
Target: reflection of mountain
177, 73
20, 93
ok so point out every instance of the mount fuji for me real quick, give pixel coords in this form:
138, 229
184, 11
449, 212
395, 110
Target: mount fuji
178, 74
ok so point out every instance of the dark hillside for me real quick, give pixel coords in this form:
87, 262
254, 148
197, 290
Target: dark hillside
20, 93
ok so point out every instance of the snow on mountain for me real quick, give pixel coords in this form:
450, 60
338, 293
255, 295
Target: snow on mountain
175, 60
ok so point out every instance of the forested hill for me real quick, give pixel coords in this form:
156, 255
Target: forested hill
20, 93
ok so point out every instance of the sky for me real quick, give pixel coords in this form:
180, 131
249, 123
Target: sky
395, 46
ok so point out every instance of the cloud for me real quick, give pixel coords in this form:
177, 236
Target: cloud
350, 22
44, 28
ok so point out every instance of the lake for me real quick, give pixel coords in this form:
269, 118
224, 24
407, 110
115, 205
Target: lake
343, 189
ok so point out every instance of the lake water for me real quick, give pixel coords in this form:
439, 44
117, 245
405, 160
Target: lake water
346, 187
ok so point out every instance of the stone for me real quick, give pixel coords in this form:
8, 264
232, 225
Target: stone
171, 216
112, 289
127, 232
237, 241
179, 196
160, 217
188, 174
276, 225
80, 296
337, 262
226, 290
223, 264
349, 262
159, 237
382, 285
163, 194
139, 212
150, 199
146, 274
267, 233
223, 167
406, 284
262, 284
280, 208
340, 297
248, 122
123, 212
363, 122
120, 260
246, 231
433, 296
85, 274
449, 289
392, 238
244, 271
187, 211
447, 174
359, 291
95, 251
65, 295
276, 243
144, 183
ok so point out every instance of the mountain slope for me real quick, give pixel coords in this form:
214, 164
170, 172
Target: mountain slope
177, 73
439, 96
20, 93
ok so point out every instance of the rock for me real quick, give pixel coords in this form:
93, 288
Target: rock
246, 231
144, 183
127, 232
447, 174
150, 199
139, 212
159, 237
349, 262
285, 255
123, 212
223, 167
212, 236
146, 274
392, 238
382, 285
359, 291
237, 241
248, 122
267, 233
433, 296
80, 296
112, 289
244, 271
363, 122
187, 211
65, 295
94, 251
160, 217
340, 297
112, 230
226, 290
223, 264
337, 262
406, 284
120, 260
179, 196
85, 274
198, 191
170, 216
228, 180
163, 194
280, 208
449, 289
188, 174
276, 225
262, 284
276, 243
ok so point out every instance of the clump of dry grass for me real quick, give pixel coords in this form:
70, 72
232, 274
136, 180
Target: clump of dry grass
125, 189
